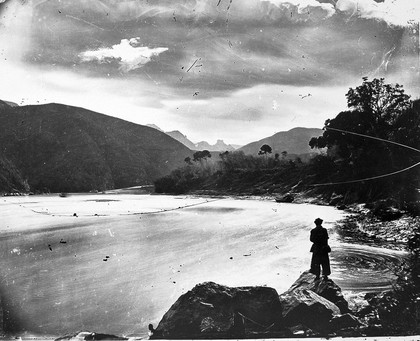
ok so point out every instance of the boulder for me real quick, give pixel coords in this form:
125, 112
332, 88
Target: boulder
287, 198
211, 310
305, 307
323, 287
344, 322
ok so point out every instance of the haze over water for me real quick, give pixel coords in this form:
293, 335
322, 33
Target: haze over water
115, 263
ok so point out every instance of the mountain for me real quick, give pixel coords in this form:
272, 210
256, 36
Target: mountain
69, 149
177, 135
294, 141
154, 126
220, 146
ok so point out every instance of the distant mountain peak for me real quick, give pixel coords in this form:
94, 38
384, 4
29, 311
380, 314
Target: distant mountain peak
154, 126
176, 132
219, 146
180, 137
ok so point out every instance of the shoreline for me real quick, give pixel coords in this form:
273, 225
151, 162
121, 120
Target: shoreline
360, 224
351, 216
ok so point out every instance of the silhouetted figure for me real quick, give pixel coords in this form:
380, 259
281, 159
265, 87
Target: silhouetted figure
320, 250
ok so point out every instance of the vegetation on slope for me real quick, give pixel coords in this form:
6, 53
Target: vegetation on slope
354, 167
61, 148
11, 180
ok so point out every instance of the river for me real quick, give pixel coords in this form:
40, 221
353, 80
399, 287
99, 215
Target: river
114, 263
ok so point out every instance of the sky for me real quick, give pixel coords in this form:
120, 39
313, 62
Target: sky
237, 70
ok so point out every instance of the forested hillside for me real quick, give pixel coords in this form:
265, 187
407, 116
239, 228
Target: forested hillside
60, 148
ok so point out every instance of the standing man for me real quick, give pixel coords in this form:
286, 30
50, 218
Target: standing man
320, 250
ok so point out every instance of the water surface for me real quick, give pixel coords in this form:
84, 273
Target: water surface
115, 263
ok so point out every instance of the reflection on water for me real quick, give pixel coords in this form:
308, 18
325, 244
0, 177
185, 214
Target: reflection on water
115, 263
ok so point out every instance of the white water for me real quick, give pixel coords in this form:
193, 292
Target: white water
122, 260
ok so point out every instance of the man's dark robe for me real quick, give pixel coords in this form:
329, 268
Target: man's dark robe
320, 249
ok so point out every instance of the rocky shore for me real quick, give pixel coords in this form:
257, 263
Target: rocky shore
362, 225
309, 308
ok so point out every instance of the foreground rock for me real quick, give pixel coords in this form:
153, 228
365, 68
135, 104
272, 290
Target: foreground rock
304, 307
317, 306
211, 310
309, 308
325, 288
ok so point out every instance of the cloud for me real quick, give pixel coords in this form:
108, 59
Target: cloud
127, 53
305, 6
394, 12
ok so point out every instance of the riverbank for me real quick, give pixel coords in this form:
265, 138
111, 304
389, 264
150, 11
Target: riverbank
180, 240
362, 223
364, 227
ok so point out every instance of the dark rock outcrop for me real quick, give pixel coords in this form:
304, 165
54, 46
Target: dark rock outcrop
344, 322
319, 306
302, 306
211, 310
325, 288
287, 198
311, 307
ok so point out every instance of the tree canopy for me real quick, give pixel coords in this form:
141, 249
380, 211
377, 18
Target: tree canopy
201, 155
265, 149
383, 102
378, 110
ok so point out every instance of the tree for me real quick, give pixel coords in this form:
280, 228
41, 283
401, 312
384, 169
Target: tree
201, 155
379, 110
385, 102
375, 108
284, 154
264, 150
188, 160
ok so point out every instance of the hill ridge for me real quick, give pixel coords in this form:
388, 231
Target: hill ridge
293, 141
60, 147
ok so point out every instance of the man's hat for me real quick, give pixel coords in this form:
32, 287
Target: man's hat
318, 221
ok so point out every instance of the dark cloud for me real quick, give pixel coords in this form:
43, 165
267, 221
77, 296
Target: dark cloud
234, 47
